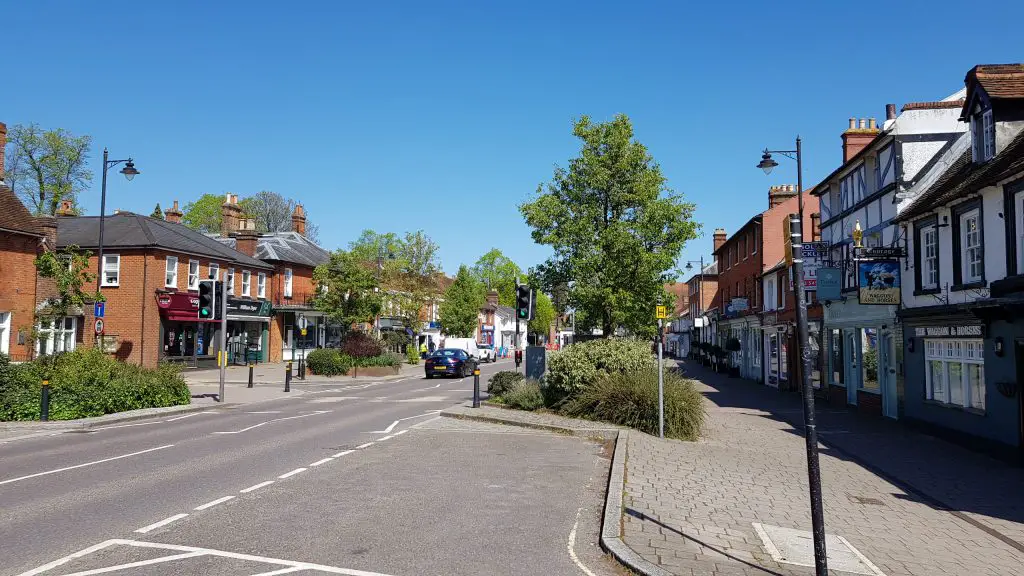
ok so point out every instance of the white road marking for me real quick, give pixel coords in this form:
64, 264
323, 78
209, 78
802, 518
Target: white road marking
138, 564
438, 385
213, 503
256, 486
163, 522
342, 453
318, 412
367, 445
292, 473
572, 546
400, 432
66, 468
383, 438
265, 412
393, 424
126, 425
185, 416
388, 429
323, 461
69, 558
281, 571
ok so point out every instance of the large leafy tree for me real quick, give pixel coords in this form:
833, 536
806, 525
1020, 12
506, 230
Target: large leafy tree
497, 271
543, 313
407, 266
271, 211
45, 167
460, 309
615, 227
203, 214
347, 290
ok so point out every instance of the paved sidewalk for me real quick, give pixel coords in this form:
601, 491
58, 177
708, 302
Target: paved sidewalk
691, 507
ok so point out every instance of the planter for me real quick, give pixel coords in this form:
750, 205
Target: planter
374, 371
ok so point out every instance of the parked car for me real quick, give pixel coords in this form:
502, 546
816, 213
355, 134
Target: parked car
469, 345
487, 353
450, 362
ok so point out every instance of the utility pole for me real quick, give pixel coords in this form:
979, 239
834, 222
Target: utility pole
661, 386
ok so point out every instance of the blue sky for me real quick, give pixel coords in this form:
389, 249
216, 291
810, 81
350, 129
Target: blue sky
446, 115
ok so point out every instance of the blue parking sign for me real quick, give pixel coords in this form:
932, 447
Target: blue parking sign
98, 309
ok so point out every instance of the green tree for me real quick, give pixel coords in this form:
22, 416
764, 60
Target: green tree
69, 270
203, 214
45, 167
157, 212
407, 267
460, 309
615, 227
543, 313
497, 271
347, 290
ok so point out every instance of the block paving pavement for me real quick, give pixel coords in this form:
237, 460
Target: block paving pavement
690, 507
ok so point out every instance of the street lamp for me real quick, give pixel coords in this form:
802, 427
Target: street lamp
803, 346
700, 289
129, 172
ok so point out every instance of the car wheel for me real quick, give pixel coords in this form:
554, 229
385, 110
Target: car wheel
429, 375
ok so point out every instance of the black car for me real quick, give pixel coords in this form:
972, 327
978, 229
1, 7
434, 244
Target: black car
450, 362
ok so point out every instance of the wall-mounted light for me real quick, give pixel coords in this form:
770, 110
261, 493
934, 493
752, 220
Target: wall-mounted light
945, 222
910, 345
999, 346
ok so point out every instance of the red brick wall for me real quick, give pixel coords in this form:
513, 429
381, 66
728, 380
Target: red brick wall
703, 295
739, 275
302, 286
18, 295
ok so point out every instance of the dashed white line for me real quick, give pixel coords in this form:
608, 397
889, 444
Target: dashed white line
161, 523
213, 503
185, 416
383, 438
388, 429
265, 412
292, 473
367, 445
66, 468
256, 486
323, 461
400, 432
342, 453
274, 420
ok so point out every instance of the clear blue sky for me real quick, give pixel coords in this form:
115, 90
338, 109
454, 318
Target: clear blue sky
446, 115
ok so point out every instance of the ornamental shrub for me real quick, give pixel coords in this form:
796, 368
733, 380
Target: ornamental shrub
392, 359
328, 362
412, 355
579, 366
503, 381
524, 395
360, 345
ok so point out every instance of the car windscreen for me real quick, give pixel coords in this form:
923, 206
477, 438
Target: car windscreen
449, 353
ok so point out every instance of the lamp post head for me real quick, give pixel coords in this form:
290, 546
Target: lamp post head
766, 163
689, 265
858, 234
129, 170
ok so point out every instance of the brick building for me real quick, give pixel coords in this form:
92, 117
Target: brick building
21, 238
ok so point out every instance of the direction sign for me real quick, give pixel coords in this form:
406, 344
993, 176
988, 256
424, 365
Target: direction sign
98, 309
661, 312
99, 325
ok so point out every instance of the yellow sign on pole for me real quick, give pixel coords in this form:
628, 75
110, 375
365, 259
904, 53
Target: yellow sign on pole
661, 312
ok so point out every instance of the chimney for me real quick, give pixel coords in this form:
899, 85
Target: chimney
857, 137
3, 146
48, 226
65, 208
230, 213
720, 238
492, 298
890, 111
299, 219
779, 194
246, 237
173, 214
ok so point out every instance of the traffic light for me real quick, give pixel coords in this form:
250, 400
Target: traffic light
218, 299
524, 303
207, 299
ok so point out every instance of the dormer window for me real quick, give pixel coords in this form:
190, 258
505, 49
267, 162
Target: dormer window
983, 136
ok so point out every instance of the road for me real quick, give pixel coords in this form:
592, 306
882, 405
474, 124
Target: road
348, 476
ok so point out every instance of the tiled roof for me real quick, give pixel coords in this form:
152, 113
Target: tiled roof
290, 247
13, 214
127, 230
964, 177
933, 105
999, 80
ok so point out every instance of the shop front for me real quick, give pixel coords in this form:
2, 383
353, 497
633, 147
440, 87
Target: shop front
248, 332
863, 356
183, 337
295, 344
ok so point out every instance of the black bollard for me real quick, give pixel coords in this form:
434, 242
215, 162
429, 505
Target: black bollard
302, 368
44, 405
288, 377
476, 388
250, 375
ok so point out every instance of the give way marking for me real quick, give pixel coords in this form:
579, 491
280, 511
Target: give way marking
395, 423
186, 553
274, 420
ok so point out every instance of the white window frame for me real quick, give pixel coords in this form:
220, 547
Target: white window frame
5, 332
230, 282
246, 282
55, 340
116, 269
770, 295
988, 146
965, 353
929, 257
213, 271
261, 284
288, 282
973, 254
193, 277
171, 272
1018, 205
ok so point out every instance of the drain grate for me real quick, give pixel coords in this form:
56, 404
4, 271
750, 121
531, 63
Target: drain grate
789, 546
865, 500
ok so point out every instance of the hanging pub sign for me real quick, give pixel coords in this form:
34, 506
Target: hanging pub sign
829, 283
878, 282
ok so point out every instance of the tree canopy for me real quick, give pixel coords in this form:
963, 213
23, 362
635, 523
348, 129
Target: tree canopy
497, 271
271, 212
407, 266
45, 167
615, 227
347, 291
543, 313
203, 214
157, 212
460, 309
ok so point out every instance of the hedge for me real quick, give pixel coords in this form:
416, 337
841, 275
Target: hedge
580, 365
328, 362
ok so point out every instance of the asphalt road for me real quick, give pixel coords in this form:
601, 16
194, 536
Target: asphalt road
336, 477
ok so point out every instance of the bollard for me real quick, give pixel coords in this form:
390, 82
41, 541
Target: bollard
44, 405
476, 388
288, 377
302, 368
250, 375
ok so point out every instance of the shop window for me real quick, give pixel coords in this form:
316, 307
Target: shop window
287, 282
955, 372
869, 360
230, 285
246, 281
111, 270
56, 335
261, 285
171, 272
214, 271
836, 356
193, 274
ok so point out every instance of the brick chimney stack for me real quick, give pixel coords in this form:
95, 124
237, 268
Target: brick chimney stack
779, 194
857, 136
48, 226
65, 208
299, 219
230, 213
246, 237
492, 298
3, 146
720, 238
173, 214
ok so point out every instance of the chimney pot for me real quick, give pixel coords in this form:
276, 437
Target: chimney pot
853, 123
862, 124
872, 124
890, 111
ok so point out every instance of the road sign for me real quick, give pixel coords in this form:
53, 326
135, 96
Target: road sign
99, 325
661, 312
303, 331
98, 309
303, 323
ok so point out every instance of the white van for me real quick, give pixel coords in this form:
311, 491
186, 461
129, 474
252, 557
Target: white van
467, 344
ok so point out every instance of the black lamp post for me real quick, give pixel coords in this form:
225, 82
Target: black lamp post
382, 253
803, 347
129, 172
700, 286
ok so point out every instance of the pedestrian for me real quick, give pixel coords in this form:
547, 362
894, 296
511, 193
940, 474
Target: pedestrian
423, 349
432, 346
